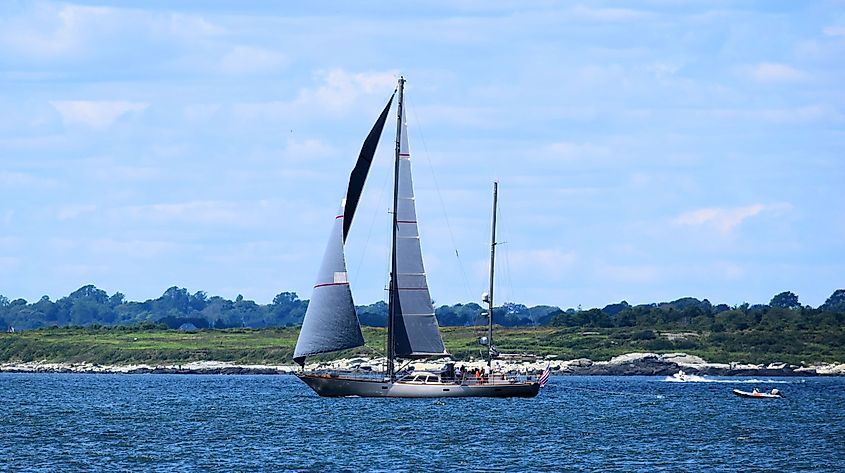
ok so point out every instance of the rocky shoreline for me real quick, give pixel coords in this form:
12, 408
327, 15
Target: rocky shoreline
632, 364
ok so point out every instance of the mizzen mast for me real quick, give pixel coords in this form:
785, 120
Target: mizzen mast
492, 268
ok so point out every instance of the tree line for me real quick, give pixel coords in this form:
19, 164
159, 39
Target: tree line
178, 308
783, 312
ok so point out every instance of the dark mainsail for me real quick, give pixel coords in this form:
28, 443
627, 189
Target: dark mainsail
362, 167
415, 330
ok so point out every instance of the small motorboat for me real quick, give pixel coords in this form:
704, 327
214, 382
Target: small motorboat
757, 394
680, 376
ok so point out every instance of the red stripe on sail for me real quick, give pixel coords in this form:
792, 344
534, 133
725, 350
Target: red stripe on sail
406, 221
330, 284
404, 154
339, 216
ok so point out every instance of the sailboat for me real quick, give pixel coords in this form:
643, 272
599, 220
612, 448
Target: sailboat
331, 323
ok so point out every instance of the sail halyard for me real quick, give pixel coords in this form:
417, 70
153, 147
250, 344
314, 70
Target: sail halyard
413, 328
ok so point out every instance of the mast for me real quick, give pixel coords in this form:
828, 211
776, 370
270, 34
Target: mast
394, 284
490, 293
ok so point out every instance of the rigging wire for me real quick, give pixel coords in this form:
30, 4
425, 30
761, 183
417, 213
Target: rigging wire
442, 203
508, 271
372, 225
504, 222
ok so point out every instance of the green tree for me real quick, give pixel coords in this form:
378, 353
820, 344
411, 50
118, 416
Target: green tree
90, 292
116, 299
834, 303
785, 300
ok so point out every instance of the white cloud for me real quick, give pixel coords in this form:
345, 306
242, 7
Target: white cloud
307, 150
776, 73
23, 180
663, 70
549, 262
199, 112
340, 89
250, 60
724, 219
608, 14
834, 31
575, 151
9, 263
113, 172
274, 110
71, 211
337, 93
728, 270
627, 273
60, 32
95, 114
801, 114
134, 248
50, 31
81, 271
809, 113
476, 117
199, 212
189, 26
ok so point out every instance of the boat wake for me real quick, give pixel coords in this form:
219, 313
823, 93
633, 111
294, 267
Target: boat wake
687, 378
691, 378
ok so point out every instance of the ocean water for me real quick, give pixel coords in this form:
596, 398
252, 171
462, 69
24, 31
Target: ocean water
67, 422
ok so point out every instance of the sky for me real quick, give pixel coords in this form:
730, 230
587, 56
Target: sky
645, 151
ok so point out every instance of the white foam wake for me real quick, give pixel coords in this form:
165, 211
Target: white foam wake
691, 378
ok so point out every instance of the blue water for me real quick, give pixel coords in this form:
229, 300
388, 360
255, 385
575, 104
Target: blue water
65, 422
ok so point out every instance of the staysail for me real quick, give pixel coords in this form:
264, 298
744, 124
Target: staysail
331, 323
415, 330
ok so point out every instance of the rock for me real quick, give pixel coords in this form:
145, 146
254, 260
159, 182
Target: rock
830, 369
628, 364
632, 358
683, 359
580, 362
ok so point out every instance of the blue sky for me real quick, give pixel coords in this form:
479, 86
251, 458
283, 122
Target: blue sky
646, 150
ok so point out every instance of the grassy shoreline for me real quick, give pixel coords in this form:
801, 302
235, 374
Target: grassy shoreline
127, 345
